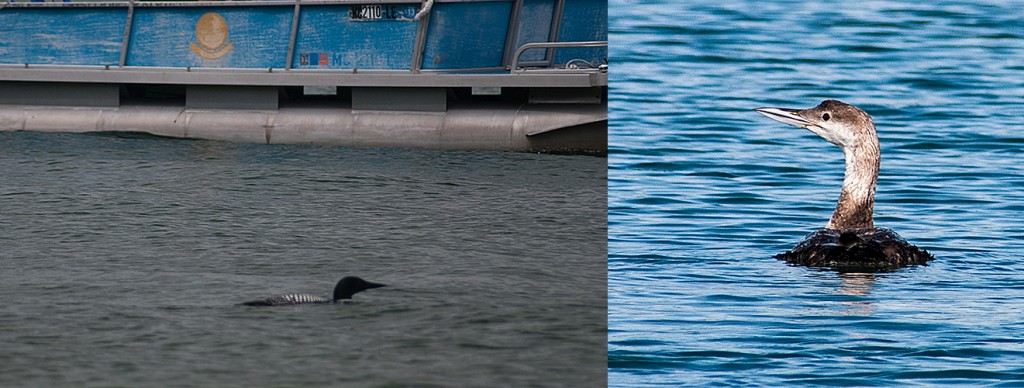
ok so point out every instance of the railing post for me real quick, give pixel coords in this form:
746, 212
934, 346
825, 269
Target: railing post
291, 40
556, 29
423, 16
127, 34
513, 32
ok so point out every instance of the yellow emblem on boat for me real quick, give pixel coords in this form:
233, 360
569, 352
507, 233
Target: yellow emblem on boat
212, 36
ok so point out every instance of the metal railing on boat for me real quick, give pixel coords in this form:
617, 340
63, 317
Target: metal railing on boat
514, 67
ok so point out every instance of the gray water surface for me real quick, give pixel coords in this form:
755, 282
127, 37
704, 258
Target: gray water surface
123, 259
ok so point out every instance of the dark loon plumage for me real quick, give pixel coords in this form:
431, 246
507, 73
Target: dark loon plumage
850, 241
345, 288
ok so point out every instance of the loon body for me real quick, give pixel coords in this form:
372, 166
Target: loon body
865, 249
344, 290
850, 240
283, 300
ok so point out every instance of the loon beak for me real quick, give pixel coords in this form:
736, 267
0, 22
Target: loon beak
374, 285
783, 115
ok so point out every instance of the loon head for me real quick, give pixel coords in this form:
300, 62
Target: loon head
841, 124
852, 130
350, 285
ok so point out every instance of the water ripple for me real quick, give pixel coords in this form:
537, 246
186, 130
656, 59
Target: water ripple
703, 191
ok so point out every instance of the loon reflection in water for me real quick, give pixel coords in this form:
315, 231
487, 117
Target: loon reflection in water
850, 241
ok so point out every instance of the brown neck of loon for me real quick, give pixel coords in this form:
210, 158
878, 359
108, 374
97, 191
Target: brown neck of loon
856, 204
852, 130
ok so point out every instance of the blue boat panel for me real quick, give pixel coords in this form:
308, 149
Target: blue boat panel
337, 37
461, 35
62, 36
230, 37
584, 20
535, 26
467, 35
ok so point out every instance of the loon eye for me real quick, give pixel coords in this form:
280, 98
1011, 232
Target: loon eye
825, 116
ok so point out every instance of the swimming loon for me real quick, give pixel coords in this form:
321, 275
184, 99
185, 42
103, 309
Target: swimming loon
850, 240
345, 288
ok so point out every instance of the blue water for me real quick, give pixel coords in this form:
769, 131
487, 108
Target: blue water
123, 259
703, 191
